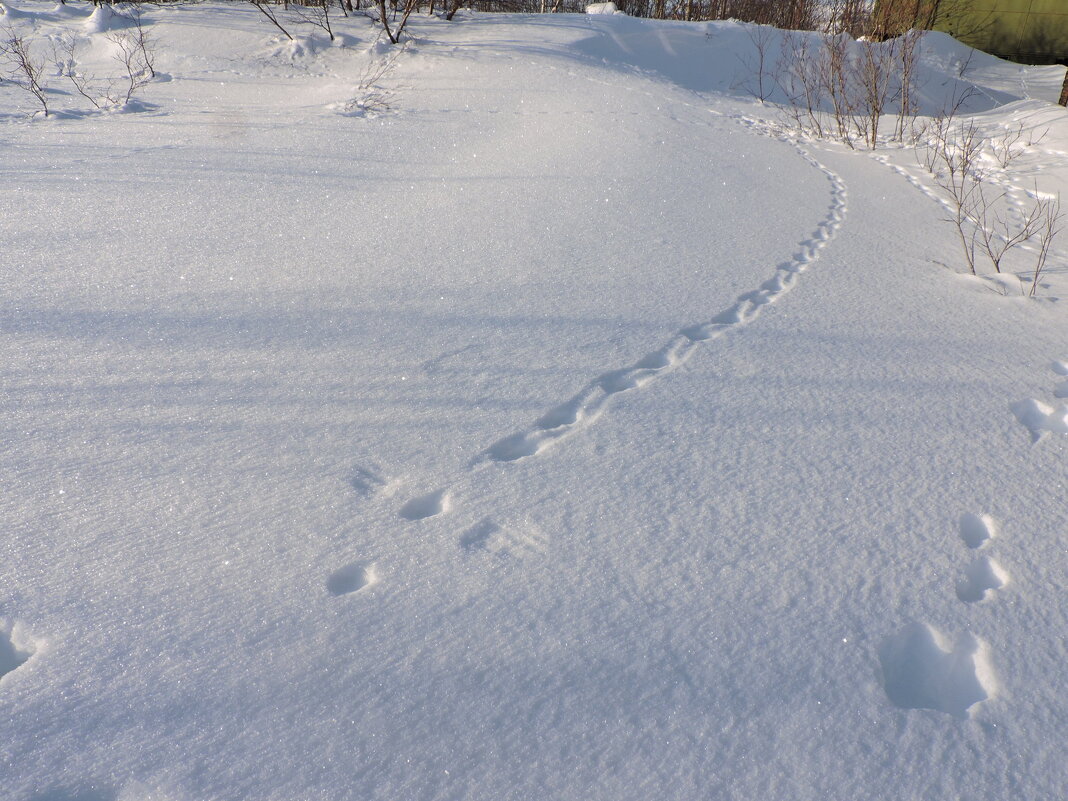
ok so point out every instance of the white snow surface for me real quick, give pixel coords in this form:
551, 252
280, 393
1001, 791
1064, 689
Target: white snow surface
557, 425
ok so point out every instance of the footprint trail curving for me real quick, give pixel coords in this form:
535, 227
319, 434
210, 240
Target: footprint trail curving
581, 411
586, 407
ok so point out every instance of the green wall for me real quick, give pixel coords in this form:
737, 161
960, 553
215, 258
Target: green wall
1030, 31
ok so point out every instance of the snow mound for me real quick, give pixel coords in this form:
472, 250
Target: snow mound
297, 48
720, 57
104, 19
602, 8
12, 13
63, 11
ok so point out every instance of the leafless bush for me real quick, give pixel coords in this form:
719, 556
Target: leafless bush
840, 87
317, 13
133, 56
1016, 141
797, 74
372, 97
838, 80
101, 95
907, 53
135, 51
761, 66
878, 68
1049, 227
22, 68
816, 74
143, 40
952, 154
997, 234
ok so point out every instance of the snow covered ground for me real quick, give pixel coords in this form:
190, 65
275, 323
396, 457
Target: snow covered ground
565, 429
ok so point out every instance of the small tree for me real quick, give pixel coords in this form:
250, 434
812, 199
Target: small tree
22, 69
394, 34
133, 56
1049, 228
316, 13
143, 41
760, 67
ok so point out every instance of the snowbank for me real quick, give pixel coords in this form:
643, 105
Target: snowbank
602, 8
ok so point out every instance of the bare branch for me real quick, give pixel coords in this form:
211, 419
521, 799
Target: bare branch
266, 10
23, 69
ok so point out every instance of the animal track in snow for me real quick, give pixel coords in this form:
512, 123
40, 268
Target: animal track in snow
920, 671
352, 578
15, 648
981, 576
488, 537
984, 574
585, 407
976, 530
367, 481
426, 506
1040, 418
1061, 369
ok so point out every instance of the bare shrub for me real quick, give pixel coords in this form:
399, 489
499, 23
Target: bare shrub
952, 155
87, 85
136, 64
142, 40
317, 13
22, 68
1016, 141
1049, 227
877, 68
135, 51
841, 87
373, 98
996, 233
798, 77
762, 66
907, 52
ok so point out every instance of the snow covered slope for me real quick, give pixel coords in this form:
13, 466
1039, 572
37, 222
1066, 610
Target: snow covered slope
545, 423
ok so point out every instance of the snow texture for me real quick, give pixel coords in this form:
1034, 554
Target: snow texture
527, 412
